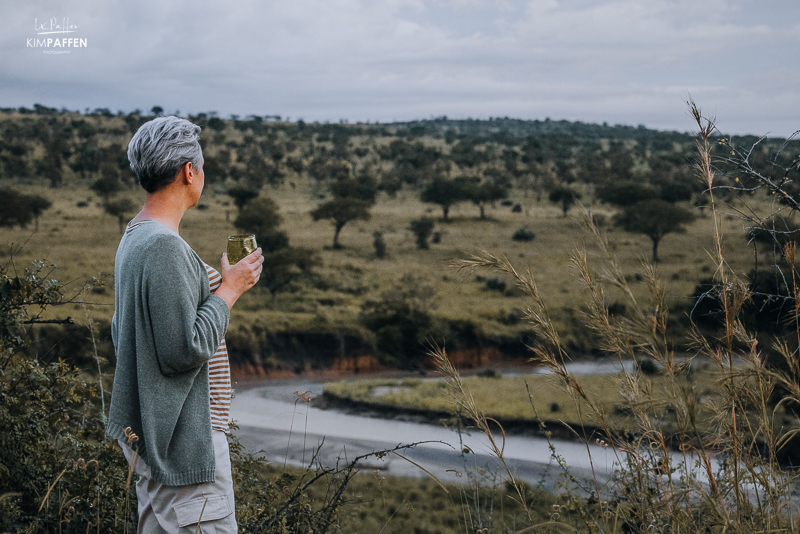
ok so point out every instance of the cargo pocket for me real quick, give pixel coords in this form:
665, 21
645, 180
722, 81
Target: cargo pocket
215, 515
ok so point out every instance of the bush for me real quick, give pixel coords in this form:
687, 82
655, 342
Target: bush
488, 373
401, 321
53, 441
379, 243
54, 437
422, 230
523, 234
496, 284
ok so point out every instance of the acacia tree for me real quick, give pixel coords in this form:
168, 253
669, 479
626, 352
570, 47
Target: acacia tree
18, 209
446, 193
341, 211
37, 205
566, 196
352, 200
654, 218
486, 193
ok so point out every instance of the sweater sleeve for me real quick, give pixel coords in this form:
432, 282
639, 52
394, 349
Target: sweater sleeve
186, 331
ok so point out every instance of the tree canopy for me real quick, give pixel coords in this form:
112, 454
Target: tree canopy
341, 211
446, 192
122, 208
625, 193
18, 209
566, 196
654, 218
352, 199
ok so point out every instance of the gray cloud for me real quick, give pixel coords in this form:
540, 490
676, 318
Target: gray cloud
623, 61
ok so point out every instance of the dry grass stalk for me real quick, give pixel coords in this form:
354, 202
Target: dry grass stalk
725, 476
466, 404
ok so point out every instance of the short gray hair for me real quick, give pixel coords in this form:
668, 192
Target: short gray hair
160, 147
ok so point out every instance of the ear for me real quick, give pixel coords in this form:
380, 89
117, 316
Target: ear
188, 173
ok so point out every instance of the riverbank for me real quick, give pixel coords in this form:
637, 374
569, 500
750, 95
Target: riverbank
536, 404
554, 428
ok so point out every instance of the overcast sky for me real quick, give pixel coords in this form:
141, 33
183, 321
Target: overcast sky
622, 62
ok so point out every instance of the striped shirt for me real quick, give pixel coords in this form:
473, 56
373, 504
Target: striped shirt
219, 372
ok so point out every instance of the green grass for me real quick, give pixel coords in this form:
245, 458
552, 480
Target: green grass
501, 398
377, 503
507, 398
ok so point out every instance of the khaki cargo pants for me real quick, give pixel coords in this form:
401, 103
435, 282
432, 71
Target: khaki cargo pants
177, 509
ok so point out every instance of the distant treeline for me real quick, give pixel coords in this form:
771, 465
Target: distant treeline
58, 145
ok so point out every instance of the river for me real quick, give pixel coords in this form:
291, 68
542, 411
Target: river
287, 430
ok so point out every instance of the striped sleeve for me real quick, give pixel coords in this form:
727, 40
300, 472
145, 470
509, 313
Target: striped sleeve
219, 372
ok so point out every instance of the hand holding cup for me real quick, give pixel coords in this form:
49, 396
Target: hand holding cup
241, 268
239, 246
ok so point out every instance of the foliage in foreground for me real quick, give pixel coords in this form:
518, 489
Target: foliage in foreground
58, 470
724, 477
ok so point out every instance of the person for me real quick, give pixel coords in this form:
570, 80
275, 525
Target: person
171, 396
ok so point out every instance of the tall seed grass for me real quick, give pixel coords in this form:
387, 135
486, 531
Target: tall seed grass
719, 475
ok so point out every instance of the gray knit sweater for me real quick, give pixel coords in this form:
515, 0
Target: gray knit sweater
166, 326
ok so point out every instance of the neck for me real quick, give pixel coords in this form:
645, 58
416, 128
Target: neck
164, 209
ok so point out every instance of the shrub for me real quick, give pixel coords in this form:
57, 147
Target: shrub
422, 229
379, 243
495, 284
523, 234
401, 321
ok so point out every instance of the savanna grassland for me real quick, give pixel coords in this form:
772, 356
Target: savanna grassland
297, 165
82, 242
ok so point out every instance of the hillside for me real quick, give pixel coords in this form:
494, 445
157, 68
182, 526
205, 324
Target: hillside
325, 316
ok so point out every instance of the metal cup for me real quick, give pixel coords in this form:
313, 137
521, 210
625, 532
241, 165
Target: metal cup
240, 246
